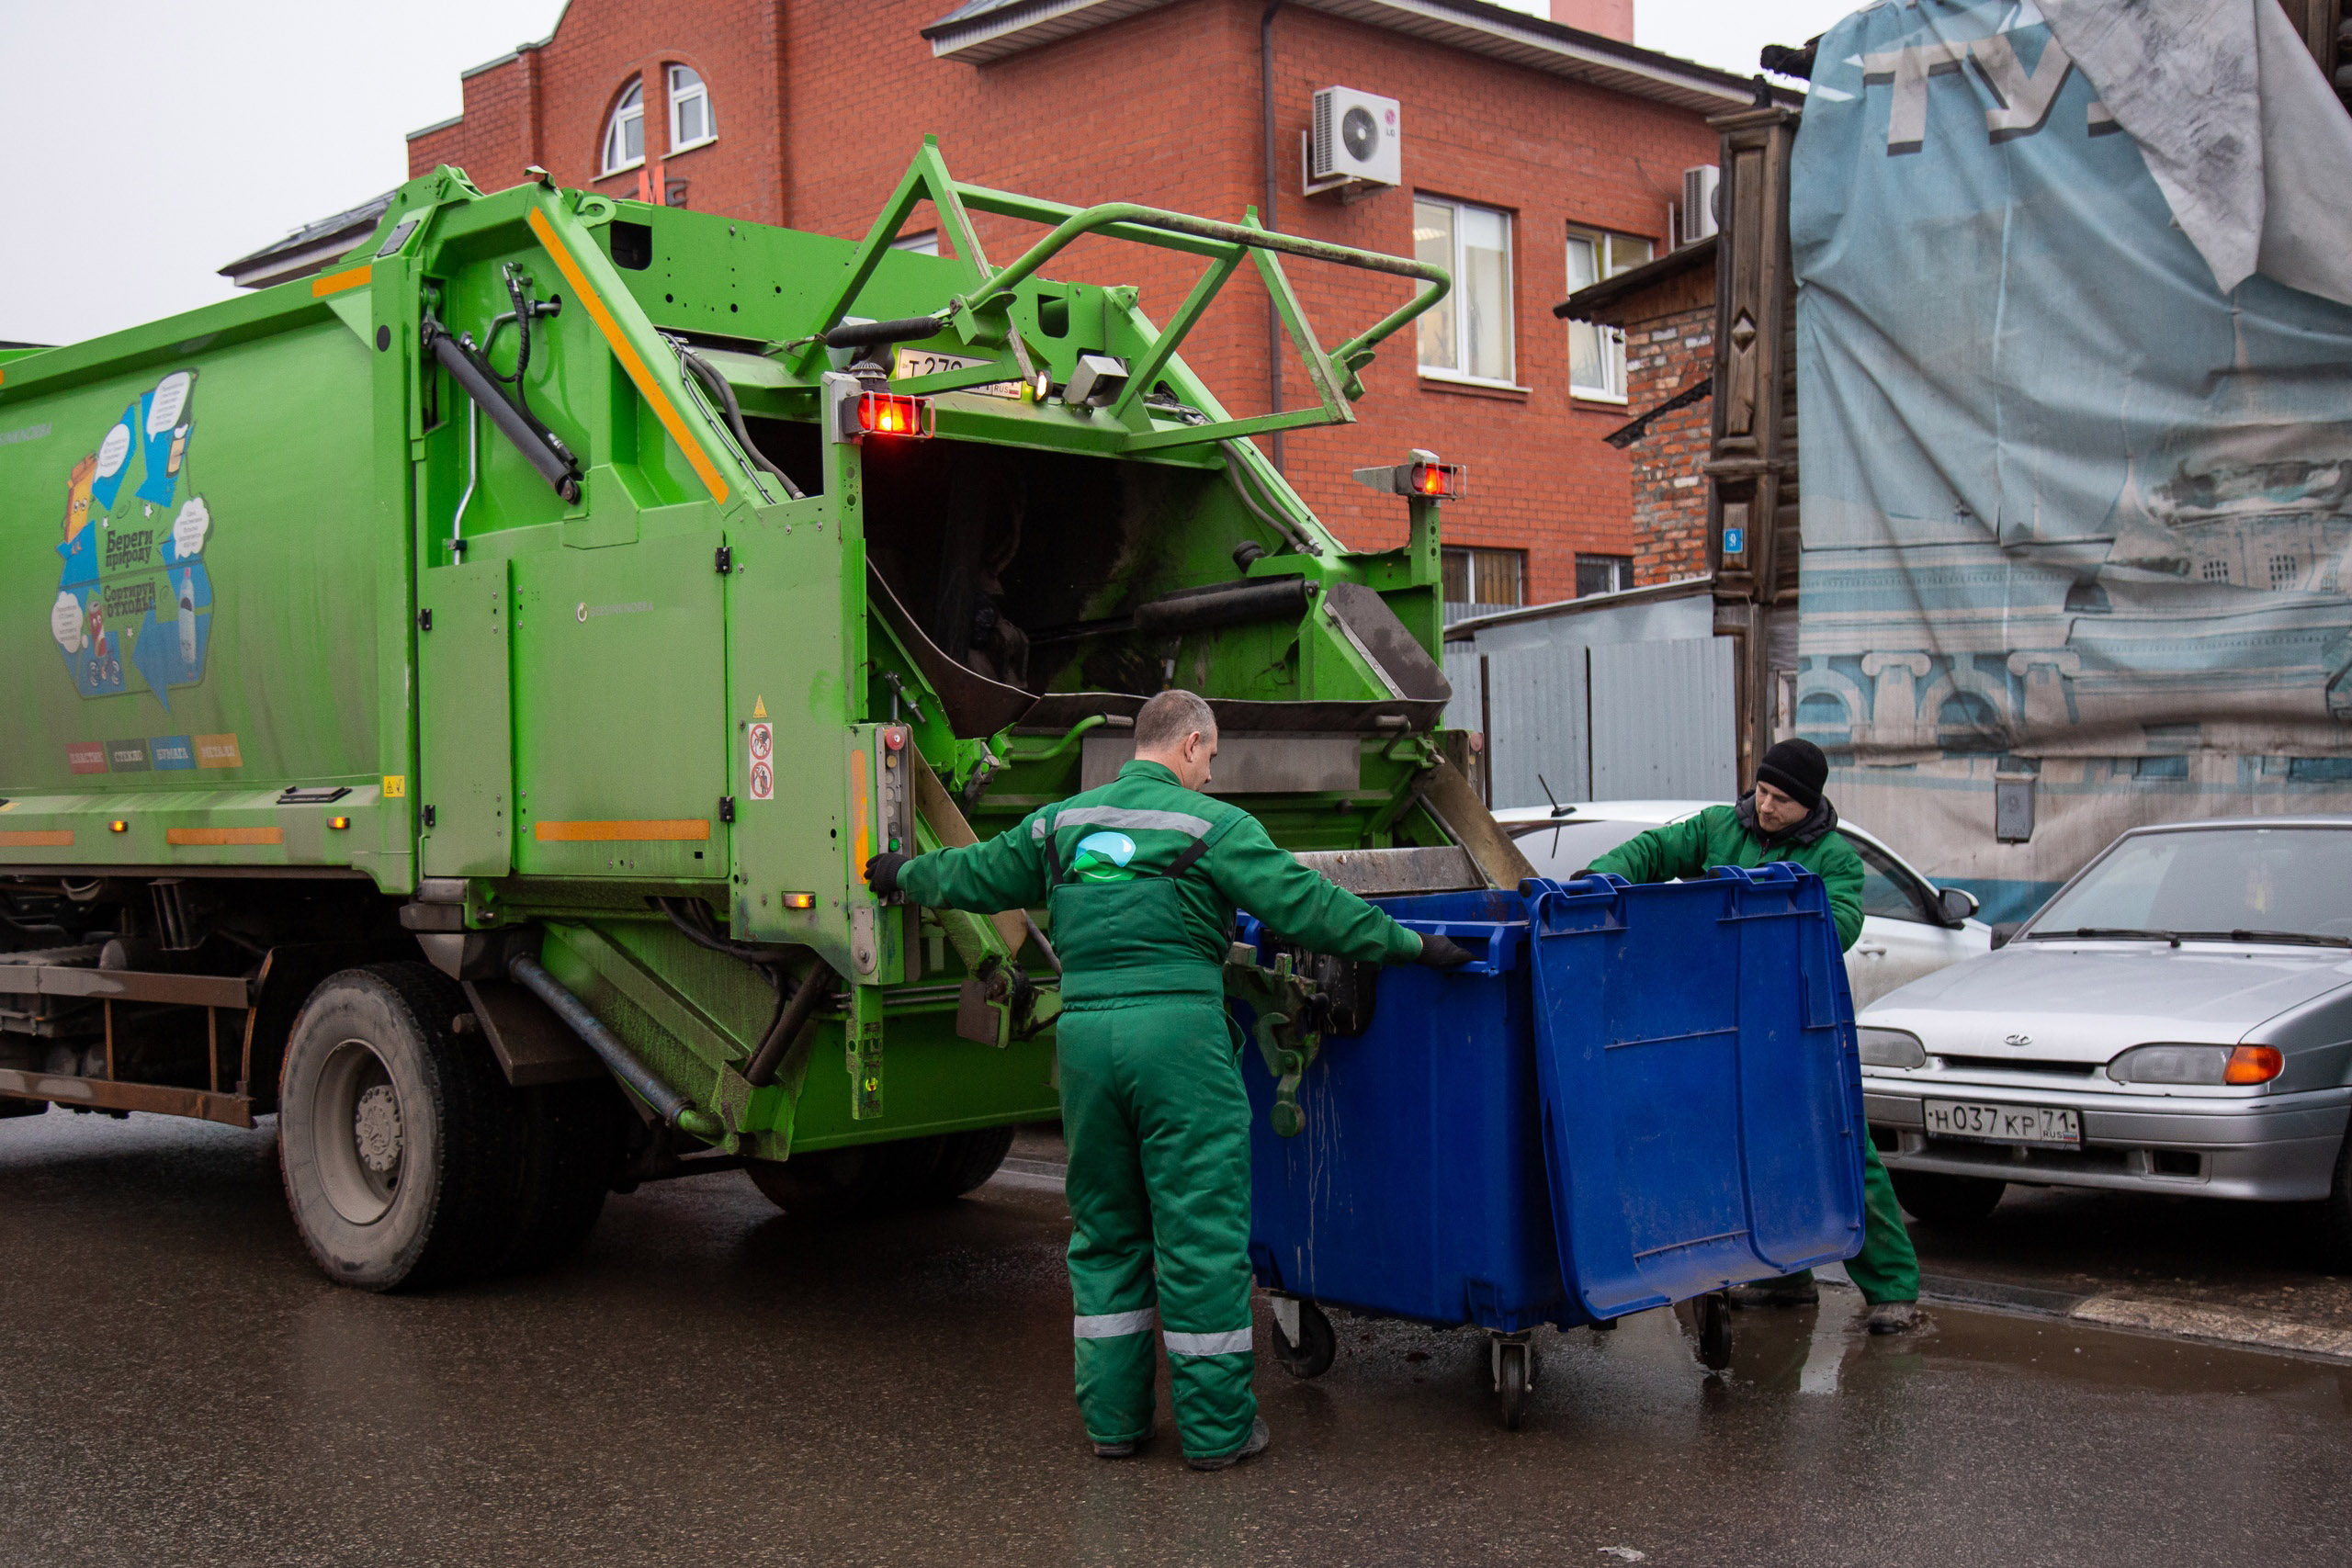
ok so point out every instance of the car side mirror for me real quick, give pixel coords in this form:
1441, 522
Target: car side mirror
1957, 903
2004, 929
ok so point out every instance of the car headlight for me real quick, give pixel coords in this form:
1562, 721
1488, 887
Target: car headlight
2200, 1065
1893, 1048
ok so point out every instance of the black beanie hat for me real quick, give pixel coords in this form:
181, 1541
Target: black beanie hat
1797, 769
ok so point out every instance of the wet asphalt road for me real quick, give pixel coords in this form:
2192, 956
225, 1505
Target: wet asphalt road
710, 1381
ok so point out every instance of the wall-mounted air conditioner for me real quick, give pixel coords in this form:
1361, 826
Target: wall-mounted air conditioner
1700, 187
1353, 141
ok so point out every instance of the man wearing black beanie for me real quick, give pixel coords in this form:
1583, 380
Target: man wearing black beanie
1786, 817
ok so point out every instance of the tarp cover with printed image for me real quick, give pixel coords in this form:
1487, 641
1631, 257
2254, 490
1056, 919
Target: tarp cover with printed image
2069, 510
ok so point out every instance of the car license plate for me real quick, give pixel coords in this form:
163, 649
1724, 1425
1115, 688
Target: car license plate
2004, 1123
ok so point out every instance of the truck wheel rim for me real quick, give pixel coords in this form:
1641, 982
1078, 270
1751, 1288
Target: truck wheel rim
355, 1117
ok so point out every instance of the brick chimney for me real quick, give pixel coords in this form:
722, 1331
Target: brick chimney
1610, 18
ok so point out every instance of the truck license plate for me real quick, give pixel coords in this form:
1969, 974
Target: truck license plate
2047, 1124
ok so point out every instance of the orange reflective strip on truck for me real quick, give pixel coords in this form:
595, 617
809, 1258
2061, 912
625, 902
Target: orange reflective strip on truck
336, 282
36, 837
639, 372
689, 830
193, 837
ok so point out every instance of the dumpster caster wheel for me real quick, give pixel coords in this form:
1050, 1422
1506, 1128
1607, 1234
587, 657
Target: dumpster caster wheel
1514, 1375
1714, 1330
1304, 1342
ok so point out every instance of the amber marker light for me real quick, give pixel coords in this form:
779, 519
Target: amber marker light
2254, 1064
119, 826
800, 900
338, 823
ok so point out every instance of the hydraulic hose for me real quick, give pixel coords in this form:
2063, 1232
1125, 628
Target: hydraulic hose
708, 374
673, 1108
871, 334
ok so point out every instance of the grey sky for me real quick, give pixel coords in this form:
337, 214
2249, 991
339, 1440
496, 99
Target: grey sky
155, 140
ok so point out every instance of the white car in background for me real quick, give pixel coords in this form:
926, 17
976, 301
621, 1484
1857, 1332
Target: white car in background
1910, 926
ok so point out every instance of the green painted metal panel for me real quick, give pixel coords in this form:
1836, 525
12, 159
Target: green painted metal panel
467, 752
620, 710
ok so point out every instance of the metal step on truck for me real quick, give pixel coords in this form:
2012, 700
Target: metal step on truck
472, 680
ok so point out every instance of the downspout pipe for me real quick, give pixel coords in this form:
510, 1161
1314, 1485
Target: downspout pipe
673, 1108
1266, 123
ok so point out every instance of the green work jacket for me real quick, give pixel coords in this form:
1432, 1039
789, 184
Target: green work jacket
1728, 835
1140, 879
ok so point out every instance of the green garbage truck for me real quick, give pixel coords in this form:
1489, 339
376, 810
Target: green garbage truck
473, 678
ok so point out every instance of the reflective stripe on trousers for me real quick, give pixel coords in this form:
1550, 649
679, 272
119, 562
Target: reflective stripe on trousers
1111, 1324
1234, 1343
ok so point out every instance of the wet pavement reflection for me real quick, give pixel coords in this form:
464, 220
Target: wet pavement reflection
710, 1381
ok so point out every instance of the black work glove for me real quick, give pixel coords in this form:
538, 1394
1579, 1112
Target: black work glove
882, 873
1442, 952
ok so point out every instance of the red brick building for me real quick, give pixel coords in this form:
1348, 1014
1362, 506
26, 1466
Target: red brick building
1529, 149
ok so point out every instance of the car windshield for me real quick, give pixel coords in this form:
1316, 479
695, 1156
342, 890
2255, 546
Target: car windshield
2292, 883
1559, 850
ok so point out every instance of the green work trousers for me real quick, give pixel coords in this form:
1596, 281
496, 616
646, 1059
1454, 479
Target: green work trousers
1159, 1131
1887, 1269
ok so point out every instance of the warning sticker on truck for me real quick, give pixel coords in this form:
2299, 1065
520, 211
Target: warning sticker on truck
761, 745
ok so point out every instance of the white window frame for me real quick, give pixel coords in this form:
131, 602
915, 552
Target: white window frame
698, 90
631, 106
925, 243
1457, 300
1604, 243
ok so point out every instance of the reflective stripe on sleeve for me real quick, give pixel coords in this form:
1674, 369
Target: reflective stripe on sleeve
1111, 1324
1125, 817
1208, 1344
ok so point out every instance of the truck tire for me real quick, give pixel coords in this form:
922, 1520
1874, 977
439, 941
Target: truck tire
966, 1161
1935, 1199
400, 1140
573, 1137
852, 1183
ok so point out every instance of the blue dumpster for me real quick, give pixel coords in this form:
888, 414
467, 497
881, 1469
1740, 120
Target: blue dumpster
1635, 1096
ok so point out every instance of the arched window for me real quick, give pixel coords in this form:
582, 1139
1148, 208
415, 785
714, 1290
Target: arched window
691, 121
1966, 721
624, 132
1822, 719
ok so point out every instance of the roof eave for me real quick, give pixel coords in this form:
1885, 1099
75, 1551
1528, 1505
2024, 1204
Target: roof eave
1581, 305
1468, 25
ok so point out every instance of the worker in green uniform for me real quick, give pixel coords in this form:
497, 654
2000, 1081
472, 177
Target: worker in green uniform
1141, 879
1787, 817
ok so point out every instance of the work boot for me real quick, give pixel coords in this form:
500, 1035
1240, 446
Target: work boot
1787, 1291
1127, 1449
1895, 1317
1259, 1438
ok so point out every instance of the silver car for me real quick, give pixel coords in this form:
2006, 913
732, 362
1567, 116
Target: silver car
2175, 1019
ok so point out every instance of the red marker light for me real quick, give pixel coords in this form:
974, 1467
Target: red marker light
896, 739
1446, 479
886, 414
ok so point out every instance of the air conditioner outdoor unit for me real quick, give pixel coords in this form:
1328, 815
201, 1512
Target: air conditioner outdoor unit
1353, 140
1700, 187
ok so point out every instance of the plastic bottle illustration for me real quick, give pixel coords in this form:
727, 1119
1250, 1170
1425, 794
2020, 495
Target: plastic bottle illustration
188, 620
179, 449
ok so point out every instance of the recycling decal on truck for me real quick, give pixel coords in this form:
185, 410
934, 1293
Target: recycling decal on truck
134, 598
